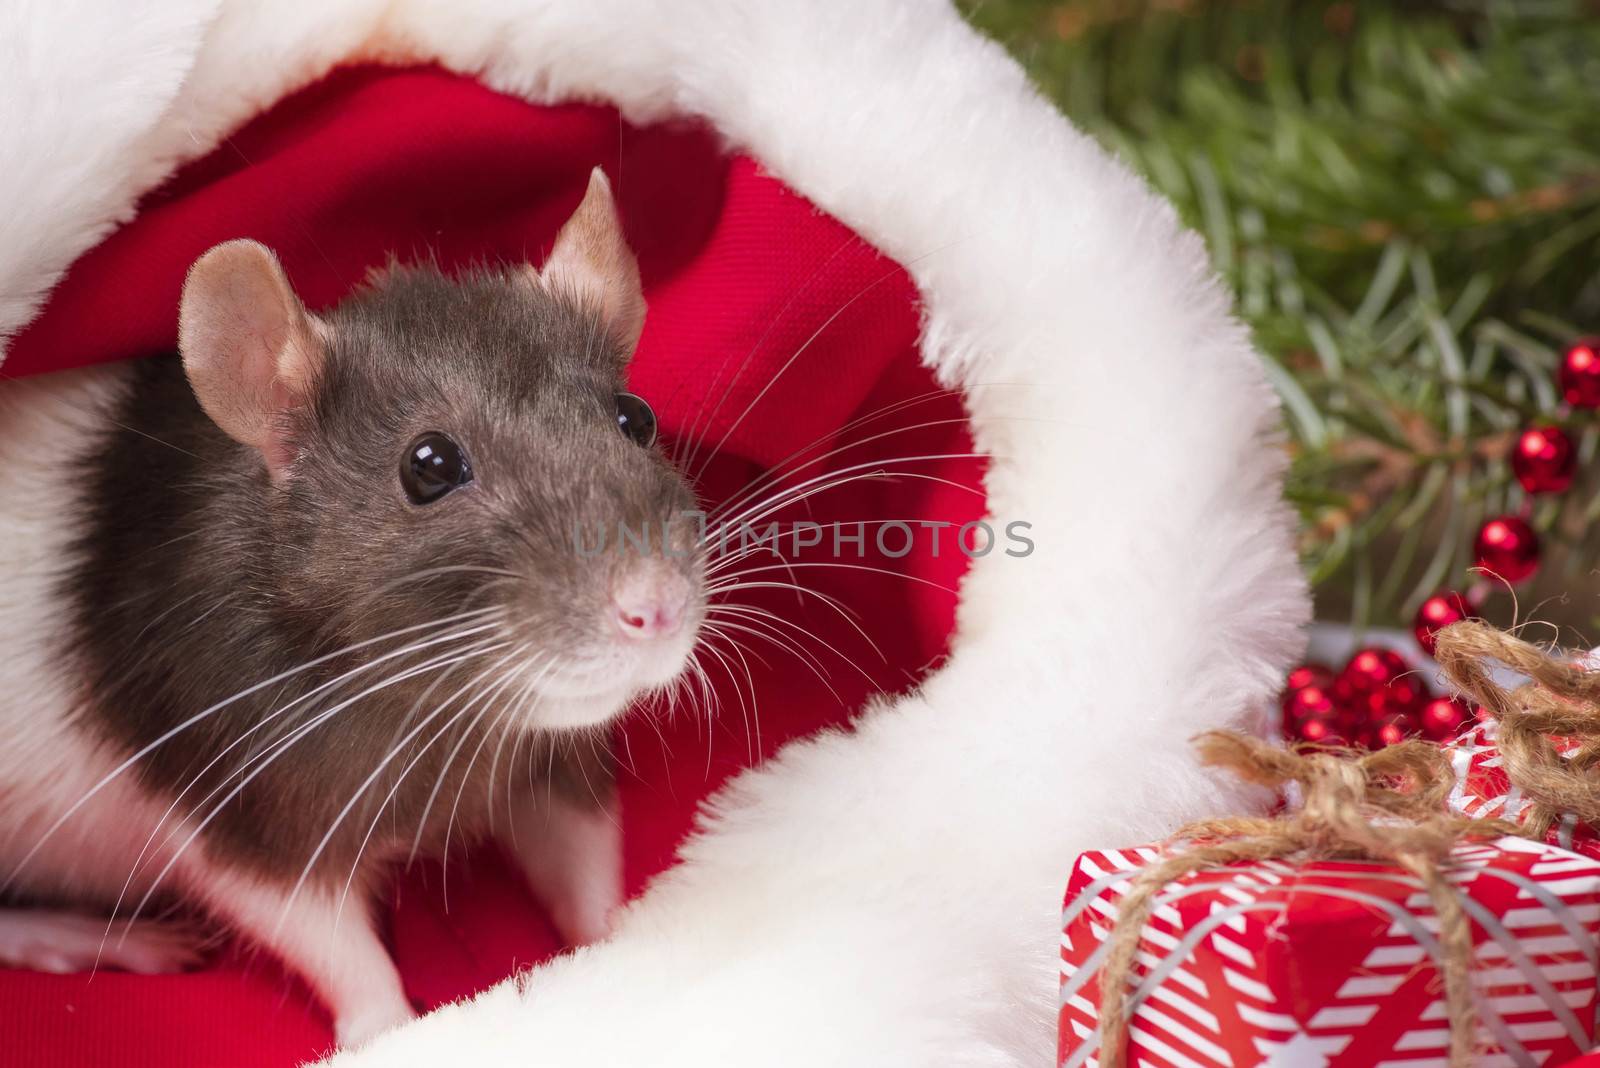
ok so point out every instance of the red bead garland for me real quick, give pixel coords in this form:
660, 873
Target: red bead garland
1508, 547
1437, 613
1321, 732
1311, 702
1543, 459
1444, 717
1308, 675
1396, 728
1372, 668
1310, 713
1580, 373
1375, 701
1398, 697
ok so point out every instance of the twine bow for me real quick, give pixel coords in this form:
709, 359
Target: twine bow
1387, 805
1562, 702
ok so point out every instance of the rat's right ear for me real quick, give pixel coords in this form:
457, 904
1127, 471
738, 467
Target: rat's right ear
251, 350
592, 263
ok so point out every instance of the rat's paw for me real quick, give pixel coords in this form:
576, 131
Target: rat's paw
358, 1026
64, 942
585, 918
572, 857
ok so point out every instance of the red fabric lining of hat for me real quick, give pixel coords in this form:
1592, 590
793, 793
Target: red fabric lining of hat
740, 273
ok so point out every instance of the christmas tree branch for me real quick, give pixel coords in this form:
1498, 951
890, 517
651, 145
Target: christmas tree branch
1406, 202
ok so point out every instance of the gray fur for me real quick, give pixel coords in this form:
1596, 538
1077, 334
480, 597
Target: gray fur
196, 576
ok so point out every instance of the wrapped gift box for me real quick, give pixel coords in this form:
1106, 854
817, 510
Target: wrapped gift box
1483, 789
1333, 962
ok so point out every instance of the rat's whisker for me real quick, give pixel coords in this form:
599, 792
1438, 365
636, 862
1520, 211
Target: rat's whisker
738, 647
627, 762
713, 712
517, 738
697, 469
874, 469
404, 721
695, 688
435, 572
283, 747
550, 777
705, 417
757, 628
752, 724
159, 616
199, 717
733, 677
833, 434
270, 753
848, 614
596, 753
848, 567
486, 701
366, 784
371, 603
749, 614
654, 723
505, 726
788, 467
329, 688
741, 619
668, 694
788, 497
778, 474
195, 779
516, 711
530, 685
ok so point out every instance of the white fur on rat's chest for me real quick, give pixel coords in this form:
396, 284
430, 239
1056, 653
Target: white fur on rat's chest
48, 761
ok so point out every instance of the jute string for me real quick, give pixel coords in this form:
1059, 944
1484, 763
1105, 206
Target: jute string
1561, 702
1387, 805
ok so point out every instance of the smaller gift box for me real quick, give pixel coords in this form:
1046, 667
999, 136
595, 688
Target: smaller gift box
1336, 962
1484, 789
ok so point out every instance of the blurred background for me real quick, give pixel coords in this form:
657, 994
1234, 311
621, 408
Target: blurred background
1405, 200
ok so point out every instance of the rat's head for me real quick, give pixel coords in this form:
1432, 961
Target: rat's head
433, 447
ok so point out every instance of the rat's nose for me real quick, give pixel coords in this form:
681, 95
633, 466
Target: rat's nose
650, 603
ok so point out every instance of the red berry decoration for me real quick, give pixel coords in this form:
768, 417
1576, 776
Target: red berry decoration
1307, 696
1372, 668
1543, 459
1444, 717
1376, 689
1396, 728
1399, 697
1580, 373
1508, 547
1437, 613
1320, 675
1321, 732
1313, 702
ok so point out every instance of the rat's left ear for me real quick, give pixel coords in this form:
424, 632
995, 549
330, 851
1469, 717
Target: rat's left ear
591, 261
251, 350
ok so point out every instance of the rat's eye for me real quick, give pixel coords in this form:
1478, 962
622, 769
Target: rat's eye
432, 466
636, 419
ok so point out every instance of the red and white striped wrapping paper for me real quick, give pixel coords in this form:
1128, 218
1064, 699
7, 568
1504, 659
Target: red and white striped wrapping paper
1483, 790
1333, 963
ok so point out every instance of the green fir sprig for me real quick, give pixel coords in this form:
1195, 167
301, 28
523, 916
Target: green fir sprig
1405, 198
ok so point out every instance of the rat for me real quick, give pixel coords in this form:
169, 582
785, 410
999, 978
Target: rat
305, 598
